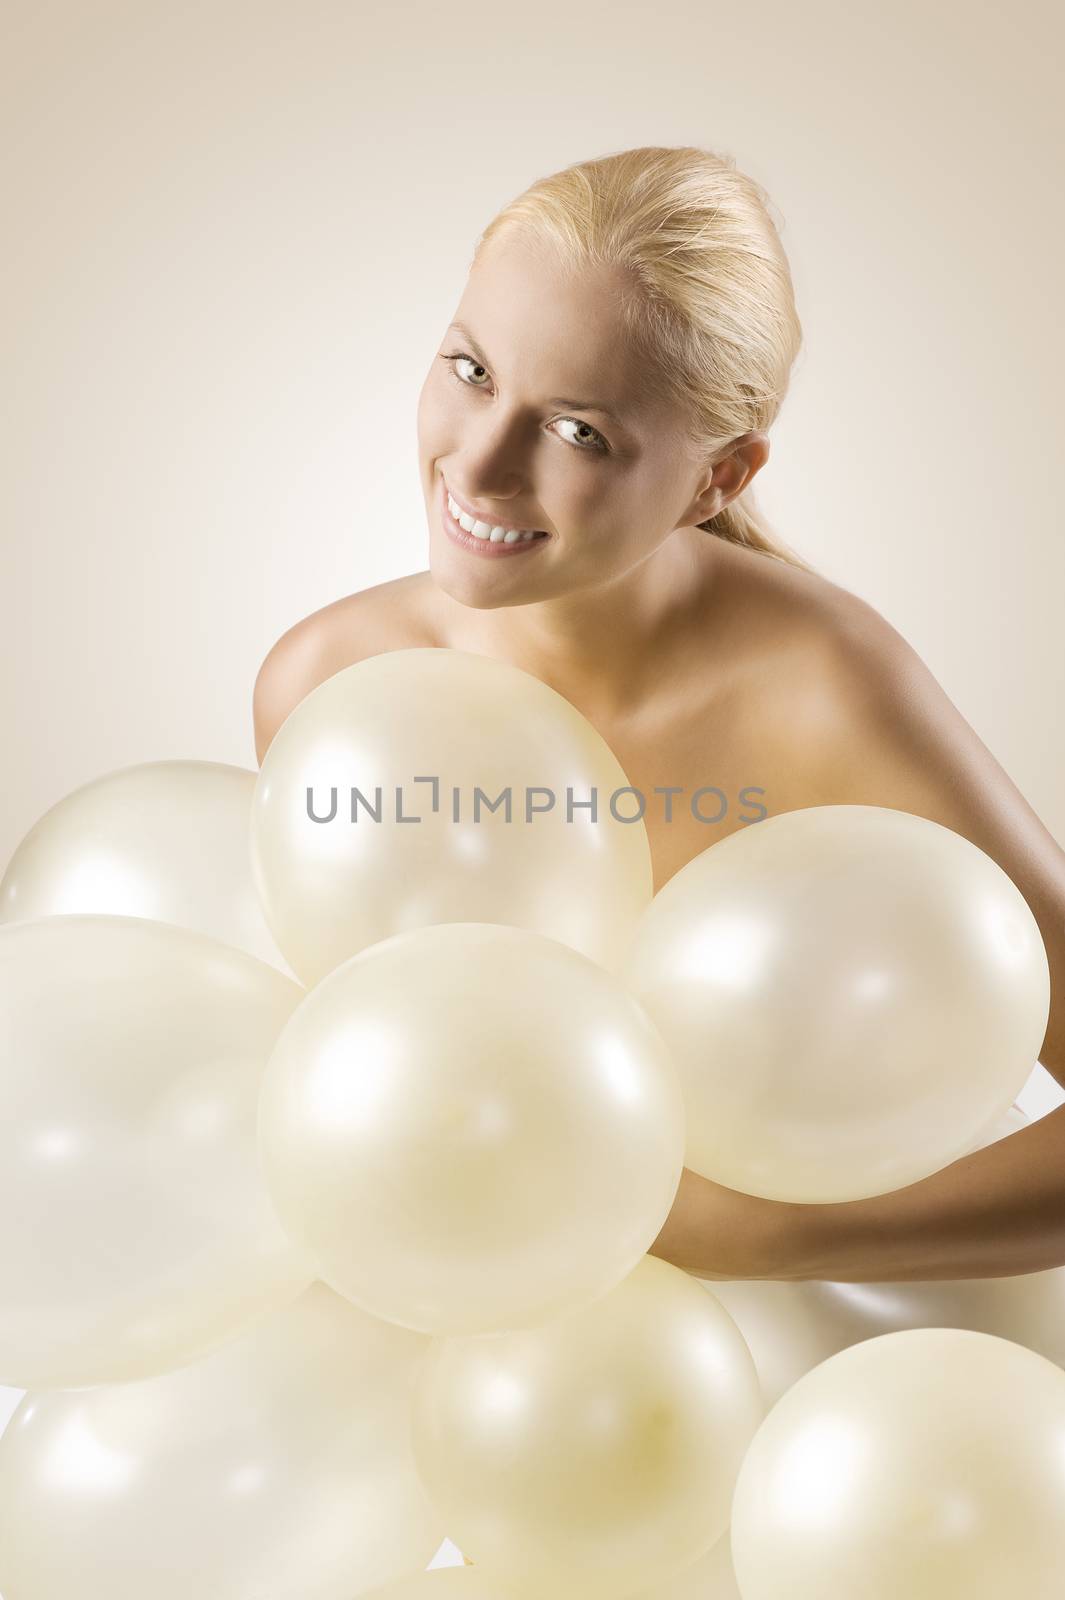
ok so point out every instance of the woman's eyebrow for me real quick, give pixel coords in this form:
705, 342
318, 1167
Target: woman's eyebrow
555, 400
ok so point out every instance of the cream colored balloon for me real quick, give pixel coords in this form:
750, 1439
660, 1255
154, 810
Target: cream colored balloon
852, 995
427, 728
280, 1465
168, 840
471, 1127
924, 1464
135, 1229
595, 1455
791, 1327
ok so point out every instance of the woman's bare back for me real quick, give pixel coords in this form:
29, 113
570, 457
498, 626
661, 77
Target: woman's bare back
736, 729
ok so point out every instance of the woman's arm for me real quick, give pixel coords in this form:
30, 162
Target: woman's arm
992, 1214
896, 740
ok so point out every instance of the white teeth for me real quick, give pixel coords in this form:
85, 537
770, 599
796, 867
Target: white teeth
485, 530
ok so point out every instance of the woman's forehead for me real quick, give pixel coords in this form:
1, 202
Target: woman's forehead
557, 331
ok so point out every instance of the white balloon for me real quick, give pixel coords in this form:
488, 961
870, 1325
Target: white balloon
852, 995
594, 1455
927, 1464
391, 754
135, 1229
471, 1127
167, 840
280, 1465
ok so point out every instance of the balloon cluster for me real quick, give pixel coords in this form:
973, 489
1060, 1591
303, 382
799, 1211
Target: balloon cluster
343, 1104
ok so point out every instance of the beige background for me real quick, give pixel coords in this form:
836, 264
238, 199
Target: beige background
235, 233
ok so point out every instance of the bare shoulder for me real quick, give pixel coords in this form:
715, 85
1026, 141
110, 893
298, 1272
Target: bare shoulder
388, 616
869, 723
873, 694
831, 698
808, 649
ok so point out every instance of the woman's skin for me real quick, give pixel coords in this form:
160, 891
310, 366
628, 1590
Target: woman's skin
701, 663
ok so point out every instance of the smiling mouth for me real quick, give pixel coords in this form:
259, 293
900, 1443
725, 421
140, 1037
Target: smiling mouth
482, 528
482, 537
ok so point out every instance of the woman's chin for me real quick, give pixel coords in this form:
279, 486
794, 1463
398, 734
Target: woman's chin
472, 580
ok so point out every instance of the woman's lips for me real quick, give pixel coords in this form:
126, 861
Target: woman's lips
482, 547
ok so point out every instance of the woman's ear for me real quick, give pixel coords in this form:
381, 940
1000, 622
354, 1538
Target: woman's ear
728, 476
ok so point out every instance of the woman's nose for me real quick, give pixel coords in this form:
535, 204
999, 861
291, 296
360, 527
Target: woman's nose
493, 458
481, 484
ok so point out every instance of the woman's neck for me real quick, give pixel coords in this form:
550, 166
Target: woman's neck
601, 645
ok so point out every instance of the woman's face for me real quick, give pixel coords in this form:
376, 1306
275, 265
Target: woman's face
535, 414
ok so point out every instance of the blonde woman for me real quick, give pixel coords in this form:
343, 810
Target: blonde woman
589, 432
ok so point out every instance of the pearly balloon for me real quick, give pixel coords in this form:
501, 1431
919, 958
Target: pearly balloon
595, 1455
852, 995
791, 1327
167, 840
135, 1230
278, 1465
471, 1127
926, 1464
432, 785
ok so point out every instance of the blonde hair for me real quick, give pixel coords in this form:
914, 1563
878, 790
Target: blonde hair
712, 307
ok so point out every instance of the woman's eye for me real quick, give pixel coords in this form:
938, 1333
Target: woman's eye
476, 365
588, 438
591, 440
